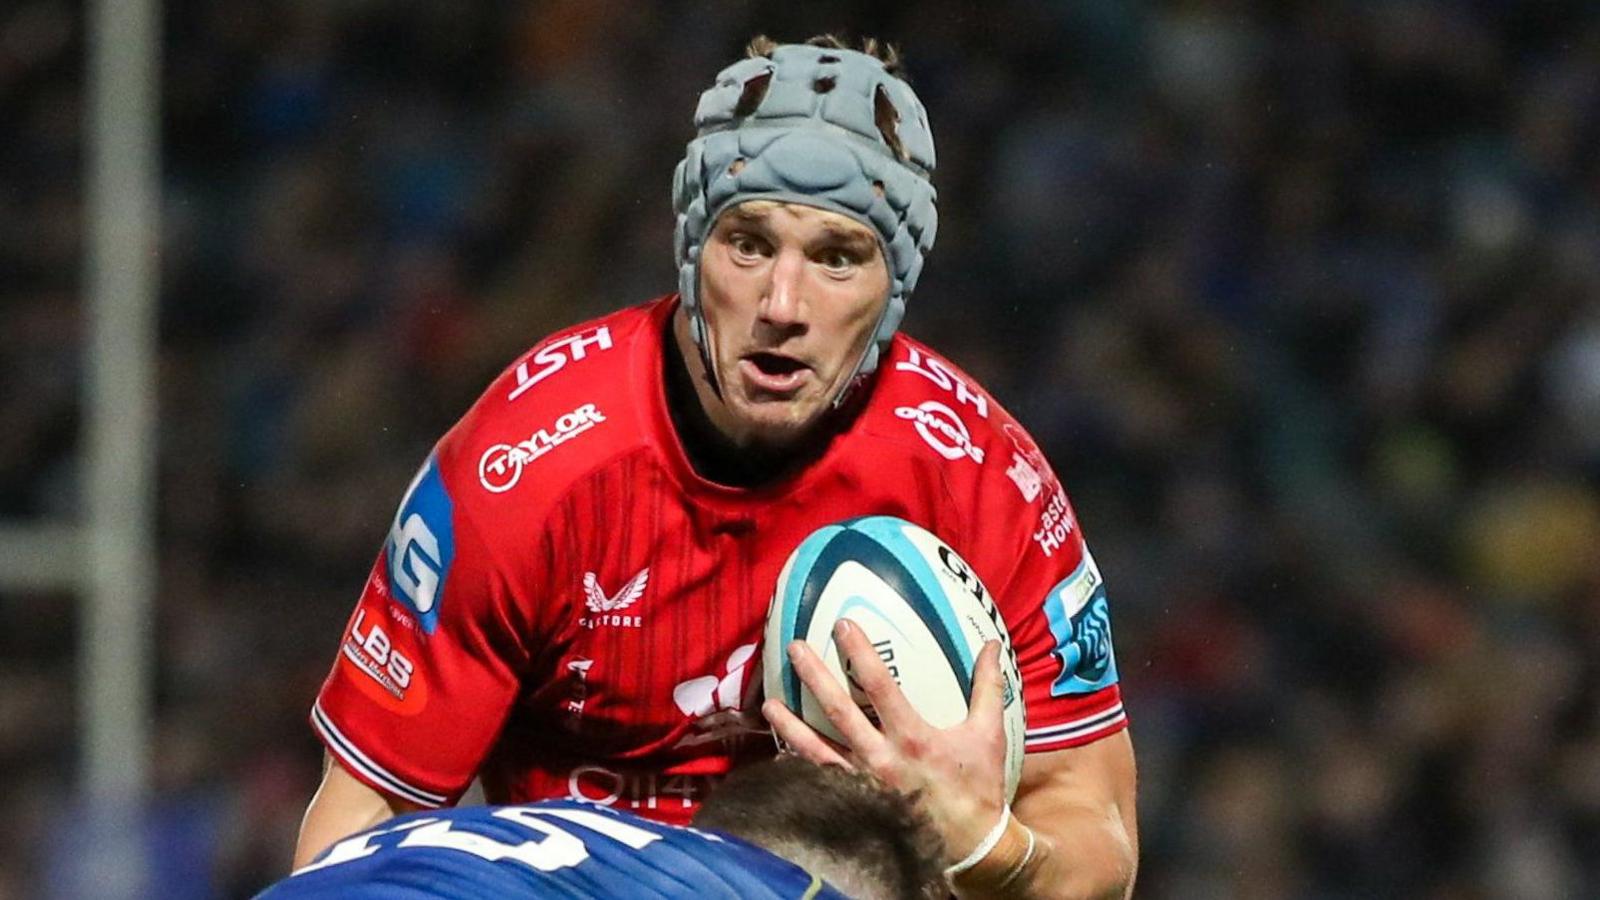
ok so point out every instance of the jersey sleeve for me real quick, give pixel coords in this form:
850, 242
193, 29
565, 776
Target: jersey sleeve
429, 662
1051, 595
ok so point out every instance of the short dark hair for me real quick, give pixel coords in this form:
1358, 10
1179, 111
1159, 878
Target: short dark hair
882, 51
845, 826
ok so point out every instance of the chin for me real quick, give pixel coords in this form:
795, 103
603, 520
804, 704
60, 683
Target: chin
777, 426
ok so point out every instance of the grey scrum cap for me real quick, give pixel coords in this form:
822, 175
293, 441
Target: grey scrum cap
821, 127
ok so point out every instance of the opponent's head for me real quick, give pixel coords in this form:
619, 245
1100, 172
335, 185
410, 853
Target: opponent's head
834, 140
863, 838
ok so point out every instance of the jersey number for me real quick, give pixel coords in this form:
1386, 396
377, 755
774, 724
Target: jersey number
555, 848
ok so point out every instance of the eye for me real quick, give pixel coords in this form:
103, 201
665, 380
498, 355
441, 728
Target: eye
747, 246
838, 261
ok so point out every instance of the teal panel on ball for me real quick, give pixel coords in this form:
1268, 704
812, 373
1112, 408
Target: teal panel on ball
888, 532
797, 603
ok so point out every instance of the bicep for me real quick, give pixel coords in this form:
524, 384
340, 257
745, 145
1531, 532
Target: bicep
342, 806
1101, 775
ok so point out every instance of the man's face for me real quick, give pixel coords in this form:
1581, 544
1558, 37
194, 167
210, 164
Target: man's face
791, 295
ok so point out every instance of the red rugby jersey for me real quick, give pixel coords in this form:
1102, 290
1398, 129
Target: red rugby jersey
566, 608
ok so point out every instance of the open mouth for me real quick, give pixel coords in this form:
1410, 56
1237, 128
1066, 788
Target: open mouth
773, 364
773, 371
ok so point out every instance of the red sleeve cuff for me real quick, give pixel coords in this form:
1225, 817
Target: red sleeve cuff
365, 769
1076, 732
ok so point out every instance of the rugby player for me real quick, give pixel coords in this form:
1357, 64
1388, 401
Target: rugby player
781, 829
572, 592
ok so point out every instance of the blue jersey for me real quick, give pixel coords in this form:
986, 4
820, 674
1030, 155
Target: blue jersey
555, 848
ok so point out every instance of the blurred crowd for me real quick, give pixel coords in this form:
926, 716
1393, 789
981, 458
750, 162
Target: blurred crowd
1302, 298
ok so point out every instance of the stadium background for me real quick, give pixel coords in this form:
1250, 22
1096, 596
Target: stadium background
1302, 298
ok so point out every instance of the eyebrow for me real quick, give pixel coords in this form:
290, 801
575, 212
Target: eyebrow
859, 239
747, 217
741, 215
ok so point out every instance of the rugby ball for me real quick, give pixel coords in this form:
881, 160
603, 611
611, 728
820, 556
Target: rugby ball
917, 601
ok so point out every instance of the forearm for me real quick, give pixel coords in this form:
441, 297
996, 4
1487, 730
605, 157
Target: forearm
1076, 853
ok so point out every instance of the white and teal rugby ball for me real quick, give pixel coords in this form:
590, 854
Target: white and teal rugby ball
918, 602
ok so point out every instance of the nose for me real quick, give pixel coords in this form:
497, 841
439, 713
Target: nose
781, 301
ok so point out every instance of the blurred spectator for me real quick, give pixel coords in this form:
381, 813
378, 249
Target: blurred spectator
1301, 297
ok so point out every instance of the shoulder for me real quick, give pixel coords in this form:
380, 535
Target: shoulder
927, 404
995, 474
577, 387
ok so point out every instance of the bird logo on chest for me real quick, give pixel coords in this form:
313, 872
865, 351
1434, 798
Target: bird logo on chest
610, 610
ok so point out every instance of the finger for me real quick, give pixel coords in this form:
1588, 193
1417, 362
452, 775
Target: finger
869, 671
988, 686
835, 700
801, 738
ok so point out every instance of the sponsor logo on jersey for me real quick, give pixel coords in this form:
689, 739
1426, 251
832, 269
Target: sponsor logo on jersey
1080, 619
577, 689
717, 702
1029, 471
610, 609
1055, 523
384, 662
942, 429
940, 374
637, 788
1025, 477
421, 545
501, 465
554, 356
